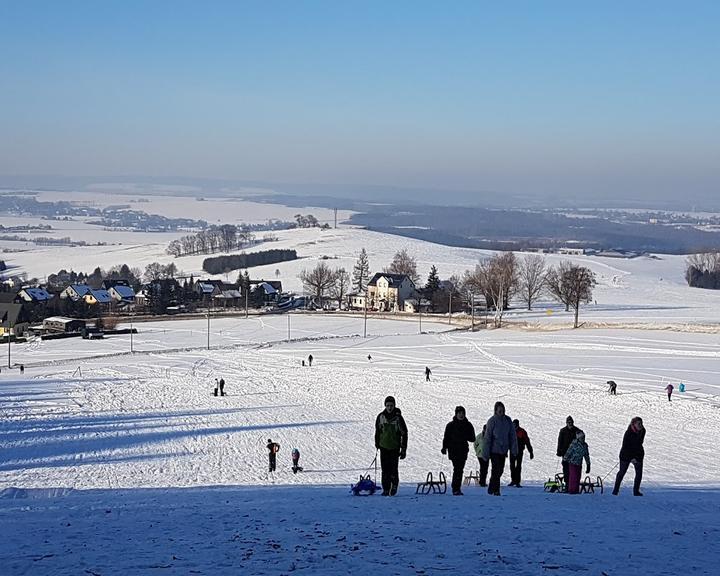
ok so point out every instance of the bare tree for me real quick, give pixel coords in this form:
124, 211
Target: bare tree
531, 278
341, 286
496, 278
175, 248
154, 271
572, 285
403, 263
556, 282
318, 280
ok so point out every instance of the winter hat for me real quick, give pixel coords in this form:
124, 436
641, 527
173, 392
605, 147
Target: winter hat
516, 422
580, 436
459, 409
569, 420
498, 405
389, 399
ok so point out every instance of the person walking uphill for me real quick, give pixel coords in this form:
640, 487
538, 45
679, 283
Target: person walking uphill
523, 441
391, 437
576, 452
478, 445
669, 389
632, 452
458, 433
500, 437
565, 438
273, 449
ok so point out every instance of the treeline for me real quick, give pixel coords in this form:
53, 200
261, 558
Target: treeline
703, 270
215, 239
223, 264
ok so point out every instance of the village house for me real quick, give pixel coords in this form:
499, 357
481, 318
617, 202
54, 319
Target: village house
75, 292
387, 292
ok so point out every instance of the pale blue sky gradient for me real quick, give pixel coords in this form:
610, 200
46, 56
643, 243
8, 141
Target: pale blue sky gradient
601, 98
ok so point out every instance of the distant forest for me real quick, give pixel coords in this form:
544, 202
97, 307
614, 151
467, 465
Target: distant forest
516, 229
223, 264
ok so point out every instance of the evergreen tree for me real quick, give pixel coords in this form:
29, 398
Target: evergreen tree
361, 272
433, 283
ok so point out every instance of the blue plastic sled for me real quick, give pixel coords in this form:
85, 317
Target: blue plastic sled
365, 487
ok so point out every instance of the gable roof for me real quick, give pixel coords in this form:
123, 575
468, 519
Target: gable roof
9, 313
81, 289
206, 287
393, 279
102, 296
37, 294
125, 292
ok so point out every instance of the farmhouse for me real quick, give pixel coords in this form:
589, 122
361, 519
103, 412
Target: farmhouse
387, 292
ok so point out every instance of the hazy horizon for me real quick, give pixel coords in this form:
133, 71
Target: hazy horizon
461, 103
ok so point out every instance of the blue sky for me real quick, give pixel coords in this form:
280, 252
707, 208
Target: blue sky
605, 98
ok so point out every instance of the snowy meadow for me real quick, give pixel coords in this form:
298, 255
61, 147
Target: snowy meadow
116, 457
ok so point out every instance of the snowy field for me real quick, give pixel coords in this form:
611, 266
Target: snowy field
126, 464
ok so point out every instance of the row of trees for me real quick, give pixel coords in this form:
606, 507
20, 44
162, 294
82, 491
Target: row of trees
504, 276
224, 264
703, 270
497, 279
222, 238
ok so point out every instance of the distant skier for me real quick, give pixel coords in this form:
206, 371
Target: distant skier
222, 387
295, 454
22, 371
523, 441
478, 445
273, 449
500, 438
632, 452
669, 389
458, 432
310, 359
391, 437
369, 358
612, 387
682, 385
427, 373
565, 438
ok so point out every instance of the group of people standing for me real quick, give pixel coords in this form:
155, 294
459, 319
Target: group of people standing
499, 437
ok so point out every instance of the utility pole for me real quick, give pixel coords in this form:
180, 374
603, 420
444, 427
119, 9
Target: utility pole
131, 335
450, 308
420, 317
472, 310
335, 210
208, 329
288, 327
8, 336
247, 296
365, 317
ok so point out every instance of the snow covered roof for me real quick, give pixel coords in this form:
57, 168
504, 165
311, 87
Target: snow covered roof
206, 287
229, 294
268, 288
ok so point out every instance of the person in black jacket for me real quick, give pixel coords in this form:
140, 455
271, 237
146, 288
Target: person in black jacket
391, 437
632, 452
523, 441
565, 438
458, 433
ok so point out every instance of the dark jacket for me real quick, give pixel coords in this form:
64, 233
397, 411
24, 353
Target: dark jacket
500, 437
391, 431
457, 435
565, 438
523, 441
632, 446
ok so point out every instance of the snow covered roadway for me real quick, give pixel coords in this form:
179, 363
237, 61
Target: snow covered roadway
119, 463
